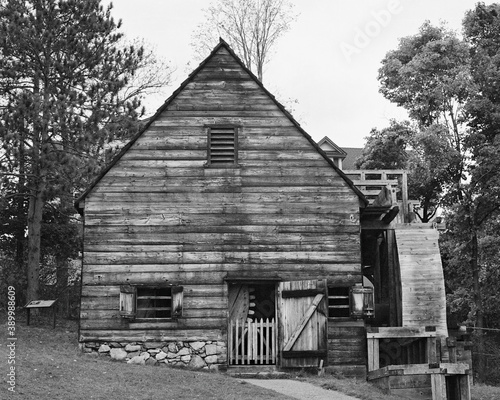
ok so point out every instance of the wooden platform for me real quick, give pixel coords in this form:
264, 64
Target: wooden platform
444, 381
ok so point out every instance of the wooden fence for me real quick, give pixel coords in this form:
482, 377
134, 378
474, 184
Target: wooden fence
252, 342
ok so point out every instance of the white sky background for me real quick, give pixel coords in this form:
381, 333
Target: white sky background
324, 61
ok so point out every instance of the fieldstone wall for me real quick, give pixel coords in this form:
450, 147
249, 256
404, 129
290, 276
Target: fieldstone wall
196, 355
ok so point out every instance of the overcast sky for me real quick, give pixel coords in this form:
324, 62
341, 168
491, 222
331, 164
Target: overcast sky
328, 61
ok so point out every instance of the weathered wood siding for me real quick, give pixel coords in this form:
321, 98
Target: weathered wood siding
159, 214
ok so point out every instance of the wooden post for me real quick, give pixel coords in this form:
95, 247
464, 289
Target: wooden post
54, 317
404, 195
373, 354
431, 351
438, 383
451, 342
464, 382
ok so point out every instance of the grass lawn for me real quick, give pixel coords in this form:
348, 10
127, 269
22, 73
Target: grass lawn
50, 366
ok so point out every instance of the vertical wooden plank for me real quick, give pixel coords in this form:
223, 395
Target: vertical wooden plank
452, 349
249, 341
268, 341
237, 347
373, 354
230, 342
404, 186
464, 382
261, 330
438, 384
274, 340
431, 350
254, 339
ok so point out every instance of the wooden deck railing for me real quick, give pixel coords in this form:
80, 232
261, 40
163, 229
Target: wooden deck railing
402, 345
412, 363
252, 342
370, 183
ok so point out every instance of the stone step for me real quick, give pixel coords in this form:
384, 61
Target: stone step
250, 371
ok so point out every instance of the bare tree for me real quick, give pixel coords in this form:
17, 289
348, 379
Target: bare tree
153, 75
251, 27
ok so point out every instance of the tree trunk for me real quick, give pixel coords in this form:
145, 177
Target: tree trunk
34, 238
62, 287
478, 301
21, 223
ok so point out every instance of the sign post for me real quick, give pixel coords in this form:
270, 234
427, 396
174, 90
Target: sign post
41, 304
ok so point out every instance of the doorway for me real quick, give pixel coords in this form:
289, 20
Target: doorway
252, 330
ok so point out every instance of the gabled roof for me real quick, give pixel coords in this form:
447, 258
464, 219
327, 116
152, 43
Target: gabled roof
336, 150
222, 44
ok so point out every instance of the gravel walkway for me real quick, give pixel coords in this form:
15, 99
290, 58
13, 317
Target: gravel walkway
299, 390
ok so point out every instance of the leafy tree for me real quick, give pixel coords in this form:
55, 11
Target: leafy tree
61, 72
451, 89
386, 149
251, 27
429, 75
431, 164
482, 32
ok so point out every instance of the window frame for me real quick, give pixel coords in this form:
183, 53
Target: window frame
226, 164
342, 306
129, 302
358, 301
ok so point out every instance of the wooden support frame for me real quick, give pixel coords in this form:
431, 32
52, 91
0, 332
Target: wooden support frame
442, 378
374, 335
393, 377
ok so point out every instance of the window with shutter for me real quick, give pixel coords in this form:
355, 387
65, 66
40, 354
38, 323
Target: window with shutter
127, 301
350, 302
222, 145
338, 302
151, 302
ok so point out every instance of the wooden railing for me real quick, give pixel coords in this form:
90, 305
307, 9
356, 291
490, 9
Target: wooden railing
406, 361
401, 345
370, 183
252, 342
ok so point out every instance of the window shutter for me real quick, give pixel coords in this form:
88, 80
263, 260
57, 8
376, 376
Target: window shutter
177, 296
127, 301
361, 301
222, 147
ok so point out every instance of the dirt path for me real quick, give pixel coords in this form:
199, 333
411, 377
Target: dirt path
299, 390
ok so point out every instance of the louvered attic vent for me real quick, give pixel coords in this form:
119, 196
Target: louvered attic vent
222, 143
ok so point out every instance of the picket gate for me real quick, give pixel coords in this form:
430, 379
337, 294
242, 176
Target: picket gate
252, 342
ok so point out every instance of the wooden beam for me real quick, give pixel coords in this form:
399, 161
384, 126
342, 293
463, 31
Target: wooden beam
399, 332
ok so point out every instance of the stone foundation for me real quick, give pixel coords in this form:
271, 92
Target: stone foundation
196, 355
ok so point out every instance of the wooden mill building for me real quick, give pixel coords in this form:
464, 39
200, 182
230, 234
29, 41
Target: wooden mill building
223, 236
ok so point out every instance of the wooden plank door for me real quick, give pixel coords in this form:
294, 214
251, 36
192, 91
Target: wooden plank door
303, 320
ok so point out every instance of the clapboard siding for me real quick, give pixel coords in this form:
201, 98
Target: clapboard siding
346, 343
160, 214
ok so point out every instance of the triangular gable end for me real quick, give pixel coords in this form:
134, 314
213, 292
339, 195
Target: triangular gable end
222, 44
334, 149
